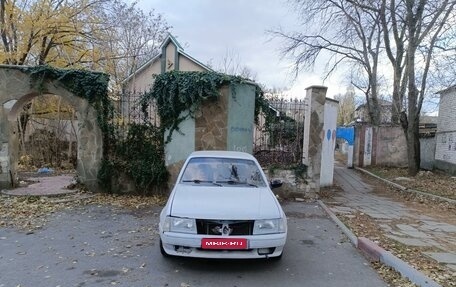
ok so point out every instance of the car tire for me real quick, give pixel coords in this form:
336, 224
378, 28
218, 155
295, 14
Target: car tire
162, 250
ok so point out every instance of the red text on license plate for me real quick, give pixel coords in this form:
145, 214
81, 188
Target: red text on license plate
224, 243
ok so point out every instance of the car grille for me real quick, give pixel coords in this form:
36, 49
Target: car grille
214, 227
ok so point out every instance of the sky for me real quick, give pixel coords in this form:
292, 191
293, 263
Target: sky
209, 29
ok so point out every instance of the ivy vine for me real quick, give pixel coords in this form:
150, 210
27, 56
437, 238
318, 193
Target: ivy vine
179, 94
88, 85
137, 153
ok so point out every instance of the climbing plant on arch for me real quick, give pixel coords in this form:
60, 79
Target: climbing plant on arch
137, 154
179, 94
85, 84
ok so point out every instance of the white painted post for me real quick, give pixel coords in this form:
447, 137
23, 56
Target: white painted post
350, 156
368, 147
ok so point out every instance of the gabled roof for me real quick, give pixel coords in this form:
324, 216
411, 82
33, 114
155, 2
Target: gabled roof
381, 102
144, 66
169, 38
194, 60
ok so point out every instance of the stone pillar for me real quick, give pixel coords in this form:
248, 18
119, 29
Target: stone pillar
8, 149
313, 133
90, 146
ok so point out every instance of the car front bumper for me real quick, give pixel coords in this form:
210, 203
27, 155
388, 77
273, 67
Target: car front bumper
189, 245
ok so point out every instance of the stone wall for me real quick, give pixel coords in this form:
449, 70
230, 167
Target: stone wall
224, 123
390, 146
387, 146
293, 186
174, 170
211, 122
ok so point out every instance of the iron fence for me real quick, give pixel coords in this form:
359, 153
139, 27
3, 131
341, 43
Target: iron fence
129, 110
278, 137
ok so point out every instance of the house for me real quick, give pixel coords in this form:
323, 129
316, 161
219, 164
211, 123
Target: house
362, 114
172, 57
445, 151
428, 124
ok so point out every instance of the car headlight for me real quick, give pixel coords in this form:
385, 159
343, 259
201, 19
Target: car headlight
270, 226
179, 224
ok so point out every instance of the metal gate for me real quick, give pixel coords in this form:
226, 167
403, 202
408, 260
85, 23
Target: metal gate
278, 135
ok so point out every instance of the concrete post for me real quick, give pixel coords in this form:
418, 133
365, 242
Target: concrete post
350, 156
313, 132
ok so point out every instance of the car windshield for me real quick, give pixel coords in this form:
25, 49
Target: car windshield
223, 171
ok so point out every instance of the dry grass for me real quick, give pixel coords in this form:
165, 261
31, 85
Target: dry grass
437, 183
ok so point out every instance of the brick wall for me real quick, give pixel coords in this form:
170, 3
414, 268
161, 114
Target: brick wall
445, 150
447, 115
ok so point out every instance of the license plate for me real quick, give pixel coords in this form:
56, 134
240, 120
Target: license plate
224, 243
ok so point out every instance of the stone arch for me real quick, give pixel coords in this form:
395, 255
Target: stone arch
15, 91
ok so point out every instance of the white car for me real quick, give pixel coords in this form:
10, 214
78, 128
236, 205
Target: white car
222, 206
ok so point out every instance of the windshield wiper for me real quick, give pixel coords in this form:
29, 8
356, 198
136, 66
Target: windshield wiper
193, 180
200, 181
228, 181
233, 182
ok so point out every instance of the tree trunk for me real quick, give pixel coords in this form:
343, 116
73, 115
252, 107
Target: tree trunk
413, 147
397, 104
374, 107
70, 142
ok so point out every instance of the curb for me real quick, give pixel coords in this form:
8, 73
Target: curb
382, 179
375, 252
403, 188
348, 232
60, 194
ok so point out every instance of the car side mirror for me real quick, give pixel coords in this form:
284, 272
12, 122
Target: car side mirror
275, 183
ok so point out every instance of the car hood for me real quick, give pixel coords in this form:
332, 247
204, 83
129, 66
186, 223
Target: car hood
224, 202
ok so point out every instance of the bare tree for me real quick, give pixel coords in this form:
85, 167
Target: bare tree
348, 33
231, 64
347, 105
409, 31
132, 37
413, 29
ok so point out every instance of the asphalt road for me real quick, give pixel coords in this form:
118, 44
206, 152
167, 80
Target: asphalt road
109, 246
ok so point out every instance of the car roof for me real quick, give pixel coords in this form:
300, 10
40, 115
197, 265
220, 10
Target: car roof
221, 153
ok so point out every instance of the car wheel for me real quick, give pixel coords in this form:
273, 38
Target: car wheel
162, 250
